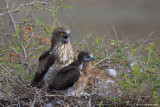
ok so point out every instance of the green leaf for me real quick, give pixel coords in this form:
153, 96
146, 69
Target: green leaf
100, 103
154, 94
157, 81
134, 51
8, 8
136, 70
125, 75
19, 9
22, 7
25, 20
132, 93
138, 85
68, 7
152, 44
46, 9
157, 98
36, 5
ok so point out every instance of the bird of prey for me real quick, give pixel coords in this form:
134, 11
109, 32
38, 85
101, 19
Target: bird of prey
58, 56
73, 78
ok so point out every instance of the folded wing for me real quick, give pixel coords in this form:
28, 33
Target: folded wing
65, 77
45, 61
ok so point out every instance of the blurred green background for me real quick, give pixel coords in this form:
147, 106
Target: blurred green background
132, 19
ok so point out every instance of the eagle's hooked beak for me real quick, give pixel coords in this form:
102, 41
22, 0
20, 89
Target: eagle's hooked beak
67, 35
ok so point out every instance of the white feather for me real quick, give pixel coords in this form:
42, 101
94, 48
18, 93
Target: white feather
91, 55
81, 66
112, 43
112, 72
51, 53
132, 64
109, 81
64, 53
68, 31
65, 56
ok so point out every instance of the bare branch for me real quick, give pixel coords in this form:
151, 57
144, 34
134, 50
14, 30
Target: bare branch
108, 57
25, 54
14, 3
26, 58
108, 32
36, 48
29, 40
145, 41
27, 4
11, 18
48, 95
115, 32
5, 92
1, 54
4, 34
3, 67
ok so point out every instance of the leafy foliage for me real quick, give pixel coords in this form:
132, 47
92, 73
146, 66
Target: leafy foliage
138, 65
138, 68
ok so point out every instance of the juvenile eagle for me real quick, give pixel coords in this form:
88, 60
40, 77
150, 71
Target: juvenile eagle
58, 56
73, 78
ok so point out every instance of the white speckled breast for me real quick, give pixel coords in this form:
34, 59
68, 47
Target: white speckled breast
64, 56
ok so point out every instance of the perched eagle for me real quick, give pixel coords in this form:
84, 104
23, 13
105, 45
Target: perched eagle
58, 56
73, 78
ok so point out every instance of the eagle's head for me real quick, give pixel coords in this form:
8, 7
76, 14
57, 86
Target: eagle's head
61, 35
85, 56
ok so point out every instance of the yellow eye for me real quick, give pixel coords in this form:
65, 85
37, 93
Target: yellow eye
62, 33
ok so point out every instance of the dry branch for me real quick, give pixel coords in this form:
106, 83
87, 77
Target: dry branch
21, 6
108, 57
11, 18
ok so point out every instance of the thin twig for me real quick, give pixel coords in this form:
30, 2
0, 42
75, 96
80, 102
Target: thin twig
89, 102
1, 54
148, 37
27, 4
144, 41
11, 18
3, 67
108, 57
115, 32
2, 25
14, 3
13, 101
5, 92
24, 53
36, 48
47, 95
108, 32
29, 40
103, 40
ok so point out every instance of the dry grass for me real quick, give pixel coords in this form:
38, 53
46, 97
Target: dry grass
15, 92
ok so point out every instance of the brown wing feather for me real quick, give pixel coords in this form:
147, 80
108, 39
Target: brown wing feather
45, 61
66, 77
44, 54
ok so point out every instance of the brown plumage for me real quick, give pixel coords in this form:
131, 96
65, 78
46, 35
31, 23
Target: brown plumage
73, 78
58, 56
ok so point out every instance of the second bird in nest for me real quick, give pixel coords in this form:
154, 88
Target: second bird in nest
74, 77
